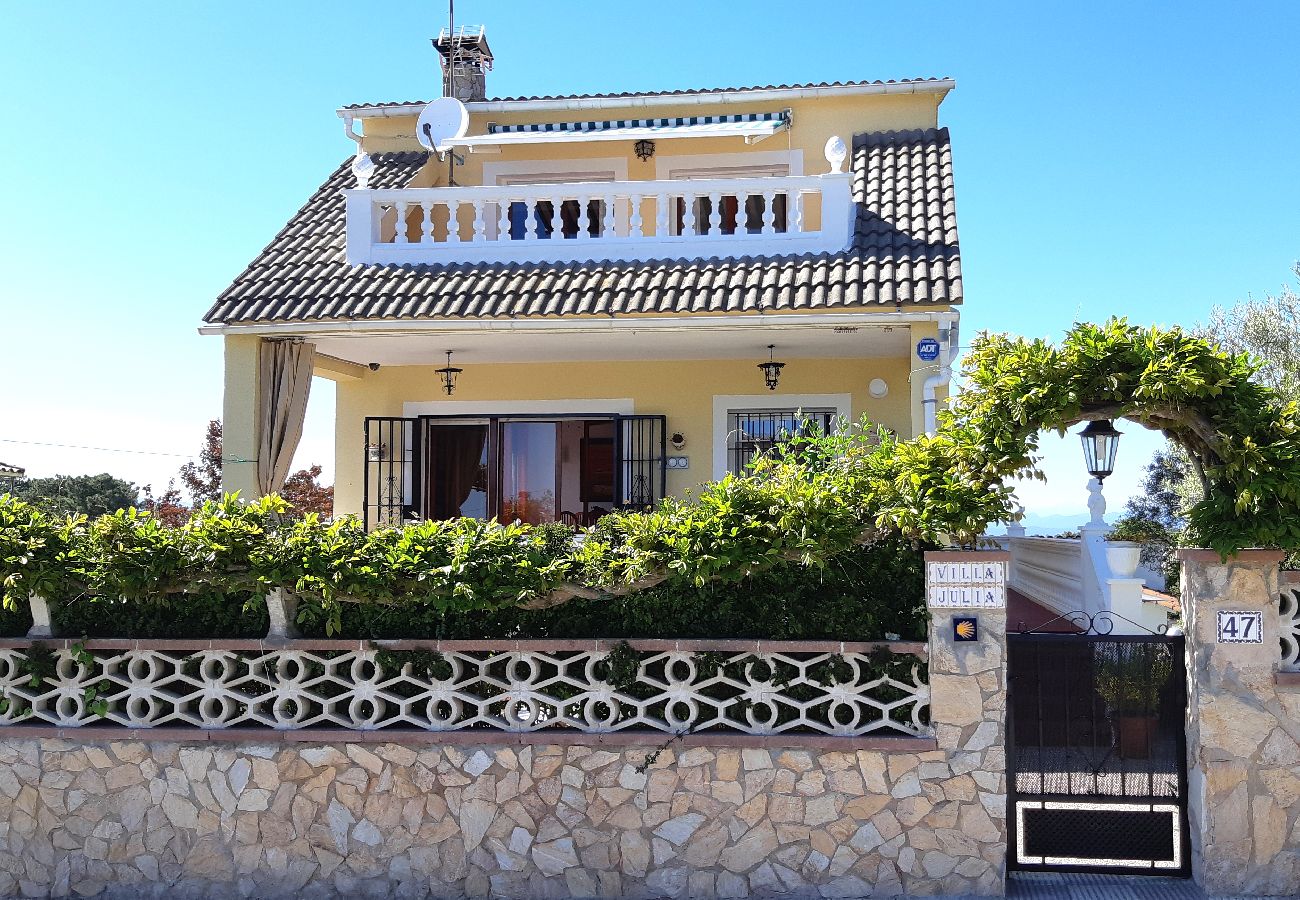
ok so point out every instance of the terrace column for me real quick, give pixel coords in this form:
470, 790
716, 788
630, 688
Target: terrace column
239, 417
1243, 724
968, 688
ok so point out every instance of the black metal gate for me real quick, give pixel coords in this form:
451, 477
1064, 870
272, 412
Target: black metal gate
1096, 753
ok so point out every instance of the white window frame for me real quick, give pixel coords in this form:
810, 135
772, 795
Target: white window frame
726, 404
479, 408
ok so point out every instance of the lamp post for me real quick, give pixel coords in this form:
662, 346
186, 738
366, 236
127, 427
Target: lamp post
1100, 445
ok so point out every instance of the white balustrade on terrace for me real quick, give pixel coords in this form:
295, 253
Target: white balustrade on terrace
1049, 571
619, 220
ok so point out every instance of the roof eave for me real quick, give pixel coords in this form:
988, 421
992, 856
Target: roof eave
940, 86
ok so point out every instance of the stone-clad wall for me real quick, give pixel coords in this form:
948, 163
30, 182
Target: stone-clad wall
1243, 733
392, 820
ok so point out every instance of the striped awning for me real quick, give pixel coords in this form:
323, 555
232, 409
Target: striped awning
750, 126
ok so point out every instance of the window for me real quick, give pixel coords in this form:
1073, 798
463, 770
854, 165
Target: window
752, 432
538, 468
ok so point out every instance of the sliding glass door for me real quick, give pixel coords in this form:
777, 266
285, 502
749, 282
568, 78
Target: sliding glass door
535, 469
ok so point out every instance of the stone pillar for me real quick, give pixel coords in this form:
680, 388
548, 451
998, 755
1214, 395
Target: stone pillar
968, 680
1243, 731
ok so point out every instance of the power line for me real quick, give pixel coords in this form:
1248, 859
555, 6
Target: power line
101, 449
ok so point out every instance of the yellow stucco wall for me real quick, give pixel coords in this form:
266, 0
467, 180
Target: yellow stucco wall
814, 120
681, 390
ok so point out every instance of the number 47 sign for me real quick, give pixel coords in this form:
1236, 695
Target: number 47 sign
1241, 627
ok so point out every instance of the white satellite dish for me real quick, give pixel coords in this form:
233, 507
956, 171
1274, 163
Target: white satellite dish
442, 120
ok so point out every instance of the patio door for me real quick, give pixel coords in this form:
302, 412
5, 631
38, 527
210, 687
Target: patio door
531, 468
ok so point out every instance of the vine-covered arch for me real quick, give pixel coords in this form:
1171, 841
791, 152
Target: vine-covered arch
1243, 442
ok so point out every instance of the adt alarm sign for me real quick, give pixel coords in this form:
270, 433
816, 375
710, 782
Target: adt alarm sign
927, 349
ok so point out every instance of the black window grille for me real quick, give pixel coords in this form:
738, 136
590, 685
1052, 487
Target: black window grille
643, 460
391, 478
758, 432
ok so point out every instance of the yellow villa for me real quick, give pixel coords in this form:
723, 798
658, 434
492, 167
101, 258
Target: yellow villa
548, 307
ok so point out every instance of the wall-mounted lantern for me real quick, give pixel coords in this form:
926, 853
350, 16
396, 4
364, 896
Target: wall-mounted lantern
771, 368
644, 149
448, 375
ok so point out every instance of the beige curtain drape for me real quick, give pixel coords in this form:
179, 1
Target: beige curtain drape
284, 382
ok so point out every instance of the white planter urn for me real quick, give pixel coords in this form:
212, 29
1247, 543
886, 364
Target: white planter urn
1123, 557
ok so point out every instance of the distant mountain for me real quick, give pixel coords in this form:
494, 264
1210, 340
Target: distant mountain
1038, 524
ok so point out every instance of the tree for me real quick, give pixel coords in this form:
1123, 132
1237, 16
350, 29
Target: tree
203, 479
170, 508
1267, 329
1163, 498
91, 495
307, 495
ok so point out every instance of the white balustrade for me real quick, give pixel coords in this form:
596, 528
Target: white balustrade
1049, 571
692, 686
686, 218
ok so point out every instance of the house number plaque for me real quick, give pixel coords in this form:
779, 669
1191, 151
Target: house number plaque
966, 585
1241, 627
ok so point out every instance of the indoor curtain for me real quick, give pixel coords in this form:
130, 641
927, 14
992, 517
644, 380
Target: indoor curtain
457, 450
284, 370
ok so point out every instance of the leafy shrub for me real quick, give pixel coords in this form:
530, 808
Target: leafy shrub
864, 595
212, 615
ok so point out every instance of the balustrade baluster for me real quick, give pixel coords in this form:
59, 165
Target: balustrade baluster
796, 215
453, 221
480, 223
607, 228
584, 224
557, 217
715, 214
769, 212
688, 217
742, 214
635, 220
426, 233
399, 226
532, 220
503, 220
661, 215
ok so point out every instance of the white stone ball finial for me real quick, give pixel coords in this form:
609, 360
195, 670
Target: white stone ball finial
363, 167
836, 153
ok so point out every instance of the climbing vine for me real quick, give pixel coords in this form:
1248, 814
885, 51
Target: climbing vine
804, 506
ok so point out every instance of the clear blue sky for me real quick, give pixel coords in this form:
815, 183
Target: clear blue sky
1135, 158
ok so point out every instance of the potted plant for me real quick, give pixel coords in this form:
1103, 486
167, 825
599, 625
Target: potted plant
1130, 679
1125, 540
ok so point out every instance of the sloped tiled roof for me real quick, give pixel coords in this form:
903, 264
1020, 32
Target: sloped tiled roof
678, 93
904, 251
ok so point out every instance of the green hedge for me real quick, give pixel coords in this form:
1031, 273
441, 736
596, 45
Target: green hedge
213, 615
864, 595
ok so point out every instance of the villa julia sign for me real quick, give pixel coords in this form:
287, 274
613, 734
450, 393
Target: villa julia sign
966, 585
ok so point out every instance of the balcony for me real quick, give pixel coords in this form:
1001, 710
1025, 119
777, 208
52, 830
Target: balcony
614, 220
